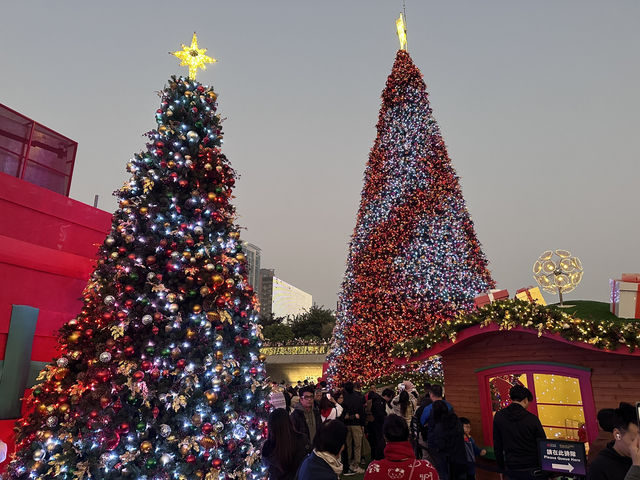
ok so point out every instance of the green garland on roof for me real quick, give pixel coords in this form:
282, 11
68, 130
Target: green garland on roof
507, 314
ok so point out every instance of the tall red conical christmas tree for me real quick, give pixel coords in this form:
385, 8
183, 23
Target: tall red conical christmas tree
159, 376
414, 259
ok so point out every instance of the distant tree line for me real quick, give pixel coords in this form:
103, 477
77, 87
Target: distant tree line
316, 324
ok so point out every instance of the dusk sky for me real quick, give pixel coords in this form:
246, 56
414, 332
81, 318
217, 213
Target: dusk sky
538, 103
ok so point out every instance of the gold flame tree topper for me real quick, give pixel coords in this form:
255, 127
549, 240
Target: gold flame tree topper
193, 57
401, 27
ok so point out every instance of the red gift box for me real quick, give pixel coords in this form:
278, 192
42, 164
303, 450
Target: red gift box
490, 296
631, 277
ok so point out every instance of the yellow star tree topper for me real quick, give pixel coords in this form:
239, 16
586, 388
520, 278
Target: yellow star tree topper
193, 57
401, 27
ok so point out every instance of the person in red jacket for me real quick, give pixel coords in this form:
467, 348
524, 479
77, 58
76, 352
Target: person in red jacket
399, 462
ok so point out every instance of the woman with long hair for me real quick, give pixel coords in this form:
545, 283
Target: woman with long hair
329, 408
404, 406
284, 449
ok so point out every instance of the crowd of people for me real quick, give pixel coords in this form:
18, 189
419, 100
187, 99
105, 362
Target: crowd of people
315, 433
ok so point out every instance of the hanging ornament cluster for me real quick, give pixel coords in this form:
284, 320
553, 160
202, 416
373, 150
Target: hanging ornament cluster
159, 376
414, 259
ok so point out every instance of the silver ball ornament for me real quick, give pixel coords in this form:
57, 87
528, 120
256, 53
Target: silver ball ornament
147, 319
109, 300
62, 362
192, 136
105, 357
165, 430
38, 454
52, 421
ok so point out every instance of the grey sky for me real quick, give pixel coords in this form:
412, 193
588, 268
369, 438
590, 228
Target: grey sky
537, 101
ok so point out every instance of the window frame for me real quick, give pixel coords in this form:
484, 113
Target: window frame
583, 375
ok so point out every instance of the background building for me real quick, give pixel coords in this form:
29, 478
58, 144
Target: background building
280, 298
253, 259
266, 290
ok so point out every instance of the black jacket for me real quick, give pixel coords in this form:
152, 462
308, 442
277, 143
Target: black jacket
609, 465
378, 408
299, 423
515, 438
315, 468
353, 403
284, 472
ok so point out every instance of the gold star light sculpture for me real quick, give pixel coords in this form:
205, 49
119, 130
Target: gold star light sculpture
193, 57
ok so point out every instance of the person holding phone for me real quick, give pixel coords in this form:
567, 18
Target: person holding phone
329, 408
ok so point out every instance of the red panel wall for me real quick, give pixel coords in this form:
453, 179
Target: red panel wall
47, 247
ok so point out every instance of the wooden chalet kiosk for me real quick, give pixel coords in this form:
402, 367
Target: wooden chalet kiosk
570, 380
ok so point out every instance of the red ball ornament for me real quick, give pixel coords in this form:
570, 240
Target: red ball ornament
191, 458
123, 429
217, 463
138, 376
103, 375
156, 412
89, 332
207, 428
129, 351
146, 365
245, 342
93, 413
155, 330
181, 363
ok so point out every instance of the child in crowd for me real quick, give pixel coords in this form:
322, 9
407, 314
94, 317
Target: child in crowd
471, 449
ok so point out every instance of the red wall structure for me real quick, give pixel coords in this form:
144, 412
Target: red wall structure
48, 243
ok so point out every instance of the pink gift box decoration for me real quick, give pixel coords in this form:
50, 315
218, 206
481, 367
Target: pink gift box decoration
625, 296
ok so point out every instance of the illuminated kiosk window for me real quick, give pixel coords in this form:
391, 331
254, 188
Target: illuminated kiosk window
562, 398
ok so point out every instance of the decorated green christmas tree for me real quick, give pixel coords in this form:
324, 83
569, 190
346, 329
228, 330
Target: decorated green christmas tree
159, 376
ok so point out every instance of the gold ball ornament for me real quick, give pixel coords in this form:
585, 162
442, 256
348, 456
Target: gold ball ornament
197, 308
262, 357
184, 450
146, 446
74, 336
211, 396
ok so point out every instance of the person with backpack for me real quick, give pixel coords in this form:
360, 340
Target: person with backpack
419, 430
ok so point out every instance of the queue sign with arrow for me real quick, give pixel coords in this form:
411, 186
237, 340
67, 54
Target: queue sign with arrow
562, 456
